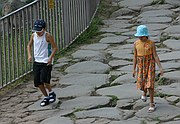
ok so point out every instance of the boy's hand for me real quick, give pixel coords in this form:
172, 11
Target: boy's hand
29, 59
49, 61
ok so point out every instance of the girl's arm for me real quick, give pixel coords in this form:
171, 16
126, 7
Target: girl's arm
134, 60
157, 60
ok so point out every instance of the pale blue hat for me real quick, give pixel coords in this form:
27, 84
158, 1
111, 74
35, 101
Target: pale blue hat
142, 31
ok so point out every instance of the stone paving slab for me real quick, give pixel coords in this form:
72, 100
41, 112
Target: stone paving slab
95, 80
122, 54
121, 12
173, 44
36, 106
113, 40
124, 103
86, 121
172, 122
164, 112
117, 49
158, 7
88, 67
116, 63
139, 104
173, 2
106, 112
169, 65
124, 17
97, 46
127, 122
173, 75
156, 13
154, 27
173, 89
146, 20
172, 99
88, 55
127, 78
57, 120
73, 91
37, 116
174, 29
125, 91
174, 55
113, 30
129, 3
126, 69
113, 21
85, 102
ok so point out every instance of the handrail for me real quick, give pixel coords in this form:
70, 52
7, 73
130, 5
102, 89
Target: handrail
66, 21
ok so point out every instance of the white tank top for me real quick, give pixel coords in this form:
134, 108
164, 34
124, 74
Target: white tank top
42, 49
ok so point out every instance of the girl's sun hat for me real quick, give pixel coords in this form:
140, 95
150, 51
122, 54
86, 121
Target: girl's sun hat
141, 31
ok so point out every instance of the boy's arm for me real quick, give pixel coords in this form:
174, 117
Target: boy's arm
50, 39
29, 48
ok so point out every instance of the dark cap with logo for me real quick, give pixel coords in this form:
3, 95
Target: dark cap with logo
39, 25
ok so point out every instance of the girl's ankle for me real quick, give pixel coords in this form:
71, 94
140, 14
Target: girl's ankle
152, 104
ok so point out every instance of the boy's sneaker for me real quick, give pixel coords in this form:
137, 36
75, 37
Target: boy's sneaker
52, 97
44, 102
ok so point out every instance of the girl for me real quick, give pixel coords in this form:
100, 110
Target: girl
145, 57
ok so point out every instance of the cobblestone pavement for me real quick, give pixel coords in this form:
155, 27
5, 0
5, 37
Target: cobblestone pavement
94, 85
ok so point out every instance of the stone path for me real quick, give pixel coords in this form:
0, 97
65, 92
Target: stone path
95, 86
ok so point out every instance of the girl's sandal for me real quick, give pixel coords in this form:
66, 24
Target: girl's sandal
143, 98
152, 108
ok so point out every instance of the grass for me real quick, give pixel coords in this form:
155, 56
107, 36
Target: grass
85, 38
155, 2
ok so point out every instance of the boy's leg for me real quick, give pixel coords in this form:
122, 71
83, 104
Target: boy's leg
46, 77
48, 86
43, 90
52, 95
46, 97
37, 67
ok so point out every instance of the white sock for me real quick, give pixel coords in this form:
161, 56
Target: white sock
46, 97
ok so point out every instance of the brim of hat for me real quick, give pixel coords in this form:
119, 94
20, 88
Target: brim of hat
138, 35
37, 30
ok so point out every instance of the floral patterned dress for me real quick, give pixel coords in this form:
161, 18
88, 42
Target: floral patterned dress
145, 65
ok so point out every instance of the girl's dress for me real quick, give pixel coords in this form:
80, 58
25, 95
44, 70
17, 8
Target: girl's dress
145, 65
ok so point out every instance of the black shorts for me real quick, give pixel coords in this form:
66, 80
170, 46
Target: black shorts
42, 73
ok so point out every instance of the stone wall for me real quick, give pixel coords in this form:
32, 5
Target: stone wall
7, 6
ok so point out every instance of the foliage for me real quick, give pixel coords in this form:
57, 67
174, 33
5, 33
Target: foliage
29, 1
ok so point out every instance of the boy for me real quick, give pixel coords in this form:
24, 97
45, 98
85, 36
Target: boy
43, 60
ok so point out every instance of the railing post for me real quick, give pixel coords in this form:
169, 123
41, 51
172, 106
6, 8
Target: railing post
1, 74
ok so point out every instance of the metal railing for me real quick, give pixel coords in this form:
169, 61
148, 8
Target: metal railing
65, 21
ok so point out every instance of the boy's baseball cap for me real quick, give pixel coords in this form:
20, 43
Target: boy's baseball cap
39, 25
